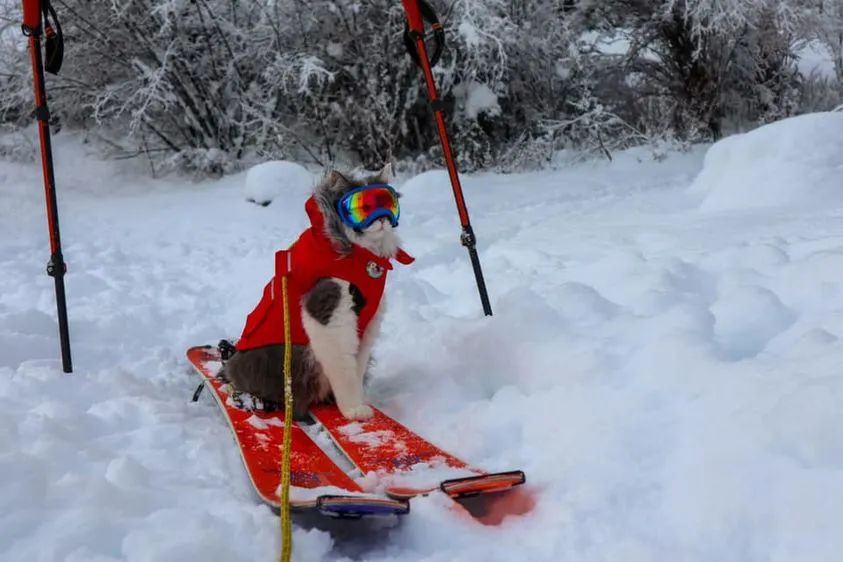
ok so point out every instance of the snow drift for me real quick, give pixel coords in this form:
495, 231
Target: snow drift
794, 162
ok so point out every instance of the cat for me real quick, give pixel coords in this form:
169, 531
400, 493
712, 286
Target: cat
339, 317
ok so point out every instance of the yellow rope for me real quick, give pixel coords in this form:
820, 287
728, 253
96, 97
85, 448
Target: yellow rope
286, 525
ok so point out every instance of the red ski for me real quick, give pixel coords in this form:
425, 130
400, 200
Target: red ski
316, 481
407, 464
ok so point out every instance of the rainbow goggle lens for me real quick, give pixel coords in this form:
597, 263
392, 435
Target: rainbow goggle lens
362, 206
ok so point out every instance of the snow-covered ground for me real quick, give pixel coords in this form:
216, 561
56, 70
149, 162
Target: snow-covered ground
664, 361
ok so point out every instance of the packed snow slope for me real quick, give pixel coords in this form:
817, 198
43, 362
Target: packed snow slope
664, 361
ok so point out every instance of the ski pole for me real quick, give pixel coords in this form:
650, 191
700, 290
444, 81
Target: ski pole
417, 12
33, 12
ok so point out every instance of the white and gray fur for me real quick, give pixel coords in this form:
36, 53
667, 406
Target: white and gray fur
334, 365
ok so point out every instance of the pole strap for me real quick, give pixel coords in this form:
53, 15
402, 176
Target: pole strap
418, 12
40, 19
54, 39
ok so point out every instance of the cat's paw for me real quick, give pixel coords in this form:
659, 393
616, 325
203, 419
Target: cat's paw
359, 412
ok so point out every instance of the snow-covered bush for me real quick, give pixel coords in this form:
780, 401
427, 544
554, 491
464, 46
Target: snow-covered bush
214, 85
340, 84
524, 82
16, 93
214, 81
163, 75
819, 93
701, 65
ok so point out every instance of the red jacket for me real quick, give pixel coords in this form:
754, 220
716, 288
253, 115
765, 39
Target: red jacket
309, 259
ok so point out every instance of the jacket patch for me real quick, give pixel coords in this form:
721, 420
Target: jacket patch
374, 270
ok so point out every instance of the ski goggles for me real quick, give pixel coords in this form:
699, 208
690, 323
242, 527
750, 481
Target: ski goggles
362, 206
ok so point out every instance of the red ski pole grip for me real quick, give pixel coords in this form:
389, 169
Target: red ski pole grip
32, 15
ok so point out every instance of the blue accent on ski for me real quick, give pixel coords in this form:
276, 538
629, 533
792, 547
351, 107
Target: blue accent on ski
349, 507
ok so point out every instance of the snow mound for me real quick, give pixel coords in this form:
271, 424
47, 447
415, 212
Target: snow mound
426, 189
797, 161
265, 181
431, 180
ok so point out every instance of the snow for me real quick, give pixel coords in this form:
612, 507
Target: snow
669, 379
794, 162
477, 98
469, 34
423, 476
264, 423
267, 180
310, 495
371, 438
357, 434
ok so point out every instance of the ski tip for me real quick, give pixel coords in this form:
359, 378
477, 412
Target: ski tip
199, 353
355, 507
483, 484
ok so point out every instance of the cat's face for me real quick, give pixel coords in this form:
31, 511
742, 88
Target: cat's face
379, 237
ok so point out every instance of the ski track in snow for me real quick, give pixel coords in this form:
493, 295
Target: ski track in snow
669, 379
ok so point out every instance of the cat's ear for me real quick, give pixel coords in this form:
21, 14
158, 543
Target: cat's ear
385, 174
337, 180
